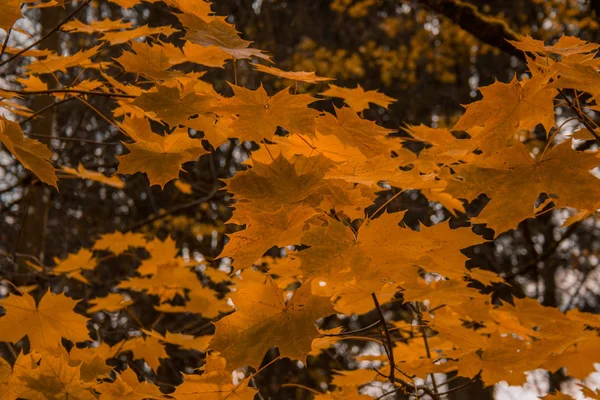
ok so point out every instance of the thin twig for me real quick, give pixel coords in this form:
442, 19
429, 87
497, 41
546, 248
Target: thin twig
73, 139
302, 387
386, 203
426, 343
5, 42
547, 253
77, 91
56, 28
388, 337
579, 287
366, 328
48, 107
159, 216
581, 115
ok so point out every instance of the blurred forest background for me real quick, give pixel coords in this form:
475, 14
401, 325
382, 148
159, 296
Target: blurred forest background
430, 55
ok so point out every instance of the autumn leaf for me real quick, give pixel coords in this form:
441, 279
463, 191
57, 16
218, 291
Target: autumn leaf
300, 76
277, 184
259, 115
201, 301
151, 61
160, 157
11, 12
281, 227
507, 108
264, 317
45, 324
217, 32
214, 384
513, 181
32, 154
354, 132
128, 386
358, 99
55, 378
74, 264
111, 303
83, 173
118, 242
120, 37
55, 62
173, 105
147, 348
105, 25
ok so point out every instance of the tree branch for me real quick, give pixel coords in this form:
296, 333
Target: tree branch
5, 43
490, 30
48, 107
159, 216
494, 32
547, 253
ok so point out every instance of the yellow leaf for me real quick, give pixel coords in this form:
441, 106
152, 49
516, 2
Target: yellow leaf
358, 99
301, 76
265, 319
44, 324
160, 157
259, 115
32, 154
83, 173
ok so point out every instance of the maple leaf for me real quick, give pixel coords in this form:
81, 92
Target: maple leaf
11, 12
259, 115
265, 229
301, 76
147, 348
214, 384
263, 317
565, 46
111, 303
83, 173
277, 184
151, 61
127, 385
56, 62
217, 32
507, 108
440, 292
170, 279
161, 252
184, 341
354, 131
336, 250
74, 264
358, 99
160, 157
118, 242
32, 154
173, 105
201, 301
384, 169
293, 145
55, 379
199, 8
116, 38
95, 26
45, 324
513, 181
210, 56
